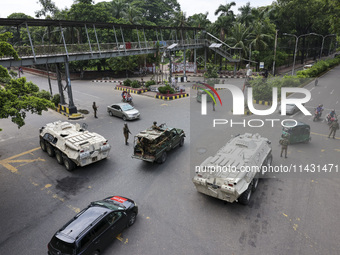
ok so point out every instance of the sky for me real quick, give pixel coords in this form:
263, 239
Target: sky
190, 7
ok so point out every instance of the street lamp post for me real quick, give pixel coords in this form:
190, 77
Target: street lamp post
323, 40
296, 44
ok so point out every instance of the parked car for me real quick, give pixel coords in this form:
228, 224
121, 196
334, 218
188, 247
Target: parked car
124, 111
91, 230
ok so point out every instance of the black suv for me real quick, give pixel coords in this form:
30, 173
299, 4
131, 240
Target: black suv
91, 230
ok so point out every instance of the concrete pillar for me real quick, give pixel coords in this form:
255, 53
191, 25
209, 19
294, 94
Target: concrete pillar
60, 84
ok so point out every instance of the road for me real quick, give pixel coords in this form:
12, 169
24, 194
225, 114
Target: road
288, 214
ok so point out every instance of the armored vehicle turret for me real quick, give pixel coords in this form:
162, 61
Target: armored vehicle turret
73, 145
233, 173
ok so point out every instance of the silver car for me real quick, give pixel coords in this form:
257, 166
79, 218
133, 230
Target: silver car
124, 111
290, 109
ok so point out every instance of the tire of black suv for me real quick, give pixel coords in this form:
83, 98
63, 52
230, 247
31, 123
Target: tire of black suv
132, 219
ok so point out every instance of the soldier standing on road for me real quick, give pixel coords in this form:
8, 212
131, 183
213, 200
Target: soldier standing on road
95, 108
284, 145
126, 132
316, 82
333, 127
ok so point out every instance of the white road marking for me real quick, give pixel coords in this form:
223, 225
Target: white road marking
87, 94
332, 91
5, 139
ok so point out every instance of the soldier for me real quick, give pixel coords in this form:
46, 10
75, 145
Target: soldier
140, 145
154, 126
284, 145
333, 127
95, 107
126, 132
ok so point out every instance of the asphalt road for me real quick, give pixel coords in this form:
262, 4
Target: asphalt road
288, 214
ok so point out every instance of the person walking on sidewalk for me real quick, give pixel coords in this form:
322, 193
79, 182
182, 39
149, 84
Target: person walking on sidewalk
316, 82
95, 108
126, 132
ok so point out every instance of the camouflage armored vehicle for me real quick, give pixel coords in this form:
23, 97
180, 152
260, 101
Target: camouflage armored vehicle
153, 143
233, 173
72, 145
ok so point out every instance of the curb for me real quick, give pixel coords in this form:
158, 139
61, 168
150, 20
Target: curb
171, 97
262, 102
138, 91
196, 88
73, 116
105, 81
246, 112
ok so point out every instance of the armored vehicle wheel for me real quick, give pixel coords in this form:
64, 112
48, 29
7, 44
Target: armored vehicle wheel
245, 196
162, 159
59, 157
124, 117
69, 164
255, 183
110, 113
181, 142
42, 145
132, 219
50, 150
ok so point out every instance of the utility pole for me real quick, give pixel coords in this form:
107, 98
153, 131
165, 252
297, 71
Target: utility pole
275, 52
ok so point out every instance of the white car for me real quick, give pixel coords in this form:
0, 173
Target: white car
290, 109
124, 111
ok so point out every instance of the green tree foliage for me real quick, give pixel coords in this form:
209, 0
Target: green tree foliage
48, 8
19, 97
211, 71
7, 49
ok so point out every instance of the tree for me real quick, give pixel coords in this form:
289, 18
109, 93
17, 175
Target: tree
224, 21
119, 8
48, 7
245, 17
16, 95
19, 97
199, 20
7, 49
225, 10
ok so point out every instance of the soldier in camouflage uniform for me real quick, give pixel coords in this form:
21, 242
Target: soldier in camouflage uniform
126, 132
333, 127
140, 145
284, 145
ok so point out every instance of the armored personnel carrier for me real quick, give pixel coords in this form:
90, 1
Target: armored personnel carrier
153, 143
233, 173
73, 145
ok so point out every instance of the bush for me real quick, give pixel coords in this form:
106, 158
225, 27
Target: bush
135, 84
149, 83
127, 83
56, 99
44, 94
165, 89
